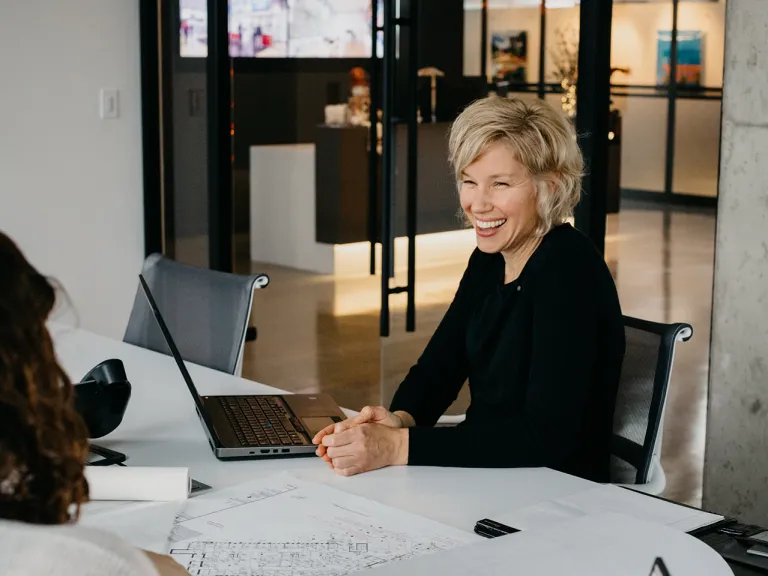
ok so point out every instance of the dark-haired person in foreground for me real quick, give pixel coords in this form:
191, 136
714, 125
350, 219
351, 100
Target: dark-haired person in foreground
535, 325
43, 447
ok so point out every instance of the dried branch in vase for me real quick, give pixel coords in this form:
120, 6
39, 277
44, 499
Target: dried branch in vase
565, 57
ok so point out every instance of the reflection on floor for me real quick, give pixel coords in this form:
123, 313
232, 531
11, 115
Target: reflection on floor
321, 333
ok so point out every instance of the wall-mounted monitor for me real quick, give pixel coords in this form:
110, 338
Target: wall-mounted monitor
283, 28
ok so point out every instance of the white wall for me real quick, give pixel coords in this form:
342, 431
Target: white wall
70, 183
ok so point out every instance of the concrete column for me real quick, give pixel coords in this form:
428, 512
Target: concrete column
736, 462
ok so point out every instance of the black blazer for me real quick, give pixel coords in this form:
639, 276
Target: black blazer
543, 357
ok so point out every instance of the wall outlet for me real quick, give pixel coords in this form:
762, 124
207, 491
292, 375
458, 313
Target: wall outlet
109, 103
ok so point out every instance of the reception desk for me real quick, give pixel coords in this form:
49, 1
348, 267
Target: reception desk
341, 190
307, 199
282, 182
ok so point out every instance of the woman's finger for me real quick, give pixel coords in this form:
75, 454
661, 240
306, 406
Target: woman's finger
322, 452
345, 425
340, 439
339, 451
362, 418
344, 462
367, 414
350, 471
324, 432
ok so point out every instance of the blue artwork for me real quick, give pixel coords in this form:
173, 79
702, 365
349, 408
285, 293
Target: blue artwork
689, 57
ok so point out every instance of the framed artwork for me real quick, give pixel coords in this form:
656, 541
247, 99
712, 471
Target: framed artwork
689, 57
509, 55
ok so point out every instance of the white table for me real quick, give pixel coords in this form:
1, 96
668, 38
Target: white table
161, 428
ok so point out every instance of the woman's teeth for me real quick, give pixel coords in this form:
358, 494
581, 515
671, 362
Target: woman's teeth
488, 225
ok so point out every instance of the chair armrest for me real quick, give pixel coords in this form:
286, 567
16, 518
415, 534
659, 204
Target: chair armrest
447, 420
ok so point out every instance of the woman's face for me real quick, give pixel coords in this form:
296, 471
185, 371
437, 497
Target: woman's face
499, 197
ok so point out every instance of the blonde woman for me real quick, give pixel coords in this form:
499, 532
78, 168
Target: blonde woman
535, 325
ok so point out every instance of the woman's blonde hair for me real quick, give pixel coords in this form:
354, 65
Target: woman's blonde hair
540, 137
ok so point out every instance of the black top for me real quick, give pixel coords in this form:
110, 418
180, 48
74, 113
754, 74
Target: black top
543, 356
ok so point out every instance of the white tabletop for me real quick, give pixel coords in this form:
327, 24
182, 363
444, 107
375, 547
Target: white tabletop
161, 428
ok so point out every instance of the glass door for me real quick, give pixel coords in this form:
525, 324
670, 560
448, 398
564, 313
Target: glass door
193, 131
184, 31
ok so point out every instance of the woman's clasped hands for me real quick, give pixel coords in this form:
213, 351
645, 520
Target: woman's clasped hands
373, 439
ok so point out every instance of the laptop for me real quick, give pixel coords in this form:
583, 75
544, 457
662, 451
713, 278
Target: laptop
254, 426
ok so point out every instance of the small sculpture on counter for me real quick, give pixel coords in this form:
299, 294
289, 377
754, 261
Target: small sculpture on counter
360, 98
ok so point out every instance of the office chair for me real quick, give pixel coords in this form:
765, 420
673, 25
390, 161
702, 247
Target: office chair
207, 313
641, 402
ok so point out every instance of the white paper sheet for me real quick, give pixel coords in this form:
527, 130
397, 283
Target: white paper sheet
137, 483
608, 498
595, 545
146, 525
300, 527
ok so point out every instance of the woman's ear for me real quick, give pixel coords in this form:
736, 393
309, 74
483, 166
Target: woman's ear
546, 186
553, 181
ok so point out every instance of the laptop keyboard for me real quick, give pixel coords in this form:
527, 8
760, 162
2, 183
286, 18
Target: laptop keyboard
261, 421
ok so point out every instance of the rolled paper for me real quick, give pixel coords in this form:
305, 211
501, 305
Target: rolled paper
149, 484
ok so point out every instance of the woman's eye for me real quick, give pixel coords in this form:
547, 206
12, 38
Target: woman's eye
468, 183
500, 184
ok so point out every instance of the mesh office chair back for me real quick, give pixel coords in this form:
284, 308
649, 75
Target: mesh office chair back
642, 395
207, 312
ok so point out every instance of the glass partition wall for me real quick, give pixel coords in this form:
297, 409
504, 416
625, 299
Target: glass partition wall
668, 136
671, 131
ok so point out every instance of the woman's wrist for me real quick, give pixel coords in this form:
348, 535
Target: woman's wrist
406, 419
401, 447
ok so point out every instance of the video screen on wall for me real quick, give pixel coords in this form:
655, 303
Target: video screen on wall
283, 28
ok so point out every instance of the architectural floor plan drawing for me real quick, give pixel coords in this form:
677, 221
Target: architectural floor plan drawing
289, 527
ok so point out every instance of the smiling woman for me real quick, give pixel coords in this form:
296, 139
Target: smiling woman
519, 174
535, 325
515, 143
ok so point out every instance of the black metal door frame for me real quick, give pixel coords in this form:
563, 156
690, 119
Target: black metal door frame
151, 114
669, 171
396, 111
373, 134
219, 87
593, 105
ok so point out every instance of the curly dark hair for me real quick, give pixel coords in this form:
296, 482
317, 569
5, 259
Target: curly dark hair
43, 441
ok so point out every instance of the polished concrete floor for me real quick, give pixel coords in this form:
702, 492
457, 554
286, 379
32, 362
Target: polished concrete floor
321, 333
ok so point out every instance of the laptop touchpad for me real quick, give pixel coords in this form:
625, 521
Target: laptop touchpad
314, 425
